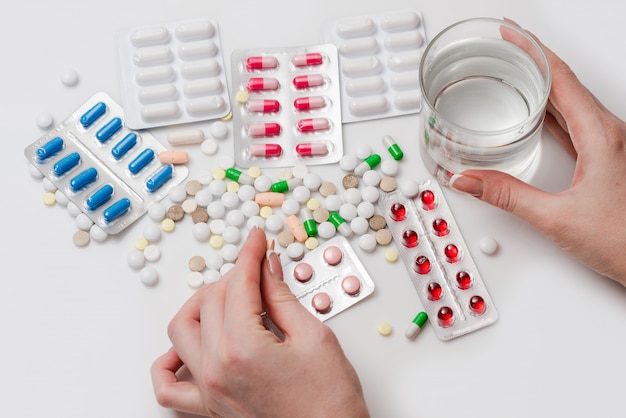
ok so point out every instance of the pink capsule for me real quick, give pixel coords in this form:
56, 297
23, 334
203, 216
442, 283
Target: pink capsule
263, 106
265, 150
263, 130
306, 81
312, 58
308, 103
262, 83
261, 63
313, 124
309, 149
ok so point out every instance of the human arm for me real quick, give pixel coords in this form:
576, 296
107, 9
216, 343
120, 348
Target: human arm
242, 369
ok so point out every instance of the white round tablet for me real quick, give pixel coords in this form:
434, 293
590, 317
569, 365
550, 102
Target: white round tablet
409, 188
370, 194
363, 151
333, 203
45, 120
209, 146
201, 231
217, 187
352, 195
214, 260
219, 130
263, 183
371, 178
295, 251
348, 211
246, 192
235, 218
301, 194
367, 242
157, 212
326, 230
195, 279
61, 198
255, 221
69, 77
274, 223
389, 167
149, 276
211, 275
98, 234
366, 209
152, 253
231, 235
152, 232
135, 259
177, 193
250, 208
217, 226
312, 181
359, 225
230, 200
216, 210
83, 222
348, 162
488, 245
300, 171
229, 252
290, 207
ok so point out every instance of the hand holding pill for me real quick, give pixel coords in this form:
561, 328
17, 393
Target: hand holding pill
219, 336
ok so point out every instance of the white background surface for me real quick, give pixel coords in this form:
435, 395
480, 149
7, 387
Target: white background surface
80, 331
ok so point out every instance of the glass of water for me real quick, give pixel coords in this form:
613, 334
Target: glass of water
485, 84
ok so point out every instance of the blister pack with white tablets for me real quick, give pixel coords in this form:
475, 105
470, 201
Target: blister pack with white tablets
113, 174
172, 73
287, 109
438, 261
329, 279
379, 58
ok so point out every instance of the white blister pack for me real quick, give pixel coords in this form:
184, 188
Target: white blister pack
438, 261
379, 57
287, 108
113, 174
329, 279
172, 73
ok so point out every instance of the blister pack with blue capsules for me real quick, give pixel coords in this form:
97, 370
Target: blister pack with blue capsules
113, 174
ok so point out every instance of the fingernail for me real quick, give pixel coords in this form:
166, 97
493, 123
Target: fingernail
467, 184
273, 262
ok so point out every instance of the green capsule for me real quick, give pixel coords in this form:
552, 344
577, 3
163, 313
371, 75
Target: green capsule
309, 223
393, 148
239, 177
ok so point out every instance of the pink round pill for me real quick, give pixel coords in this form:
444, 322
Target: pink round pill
303, 272
333, 255
351, 285
321, 302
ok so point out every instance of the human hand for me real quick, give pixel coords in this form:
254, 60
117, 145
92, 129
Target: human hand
242, 369
586, 220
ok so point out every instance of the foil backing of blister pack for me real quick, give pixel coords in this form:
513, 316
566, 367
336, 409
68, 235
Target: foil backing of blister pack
438, 261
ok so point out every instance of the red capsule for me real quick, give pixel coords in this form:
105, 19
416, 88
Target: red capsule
422, 265
410, 238
477, 305
445, 316
312, 58
434, 291
308, 149
308, 103
313, 124
452, 253
307, 81
267, 129
428, 199
440, 226
397, 212
265, 150
262, 83
261, 63
463, 280
263, 106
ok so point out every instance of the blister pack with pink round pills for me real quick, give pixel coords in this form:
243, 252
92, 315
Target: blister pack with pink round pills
113, 174
329, 279
379, 57
172, 73
287, 109
438, 261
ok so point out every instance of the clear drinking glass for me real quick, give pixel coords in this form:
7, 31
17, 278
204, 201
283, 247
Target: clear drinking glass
485, 83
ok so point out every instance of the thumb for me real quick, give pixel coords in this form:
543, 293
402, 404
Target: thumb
281, 304
508, 193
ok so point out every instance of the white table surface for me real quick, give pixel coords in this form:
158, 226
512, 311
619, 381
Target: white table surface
80, 330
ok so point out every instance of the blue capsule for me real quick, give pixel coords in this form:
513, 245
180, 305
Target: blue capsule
116, 210
99, 197
50, 148
143, 159
124, 145
93, 114
108, 130
83, 179
66, 163
159, 178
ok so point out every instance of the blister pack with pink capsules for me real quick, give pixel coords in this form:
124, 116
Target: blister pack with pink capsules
329, 279
379, 57
438, 261
113, 174
172, 73
287, 109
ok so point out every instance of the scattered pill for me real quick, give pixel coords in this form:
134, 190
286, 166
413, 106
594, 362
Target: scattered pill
295, 251
383, 237
216, 242
97, 234
211, 275
49, 199
312, 181
327, 188
392, 147
135, 259
359, 225
174, 157
367, 242
69, 78
370, 194
371, 178
368, 164
384, 329
311, 243
152, 253
377, 222
333, 203
488, 245
391, 255
157, 212
45, 120
168, 225
388, 184
197, 263
195, 279
348, 162
416, 325
326, 230
350, 181
366, 210
313, 204
229, 252
192, 187
320, 215
149, 276
81, 238
389, 167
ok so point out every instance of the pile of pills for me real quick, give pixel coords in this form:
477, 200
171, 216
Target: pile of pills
379, 57
172, 73
328, 279
111, 175
287, 106
438, 261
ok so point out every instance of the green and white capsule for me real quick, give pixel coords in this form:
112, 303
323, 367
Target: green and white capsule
368, 164
284, 186
416, 325
239, 177
340, 224
393, 148
309, 223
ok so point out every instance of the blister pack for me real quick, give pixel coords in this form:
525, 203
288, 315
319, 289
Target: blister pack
172, 73
329, 279
379, 57
287, 108
109, 171
438, 261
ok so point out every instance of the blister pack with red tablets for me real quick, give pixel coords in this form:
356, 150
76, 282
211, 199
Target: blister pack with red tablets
329, 279
113, 174
438, 261
287, 108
